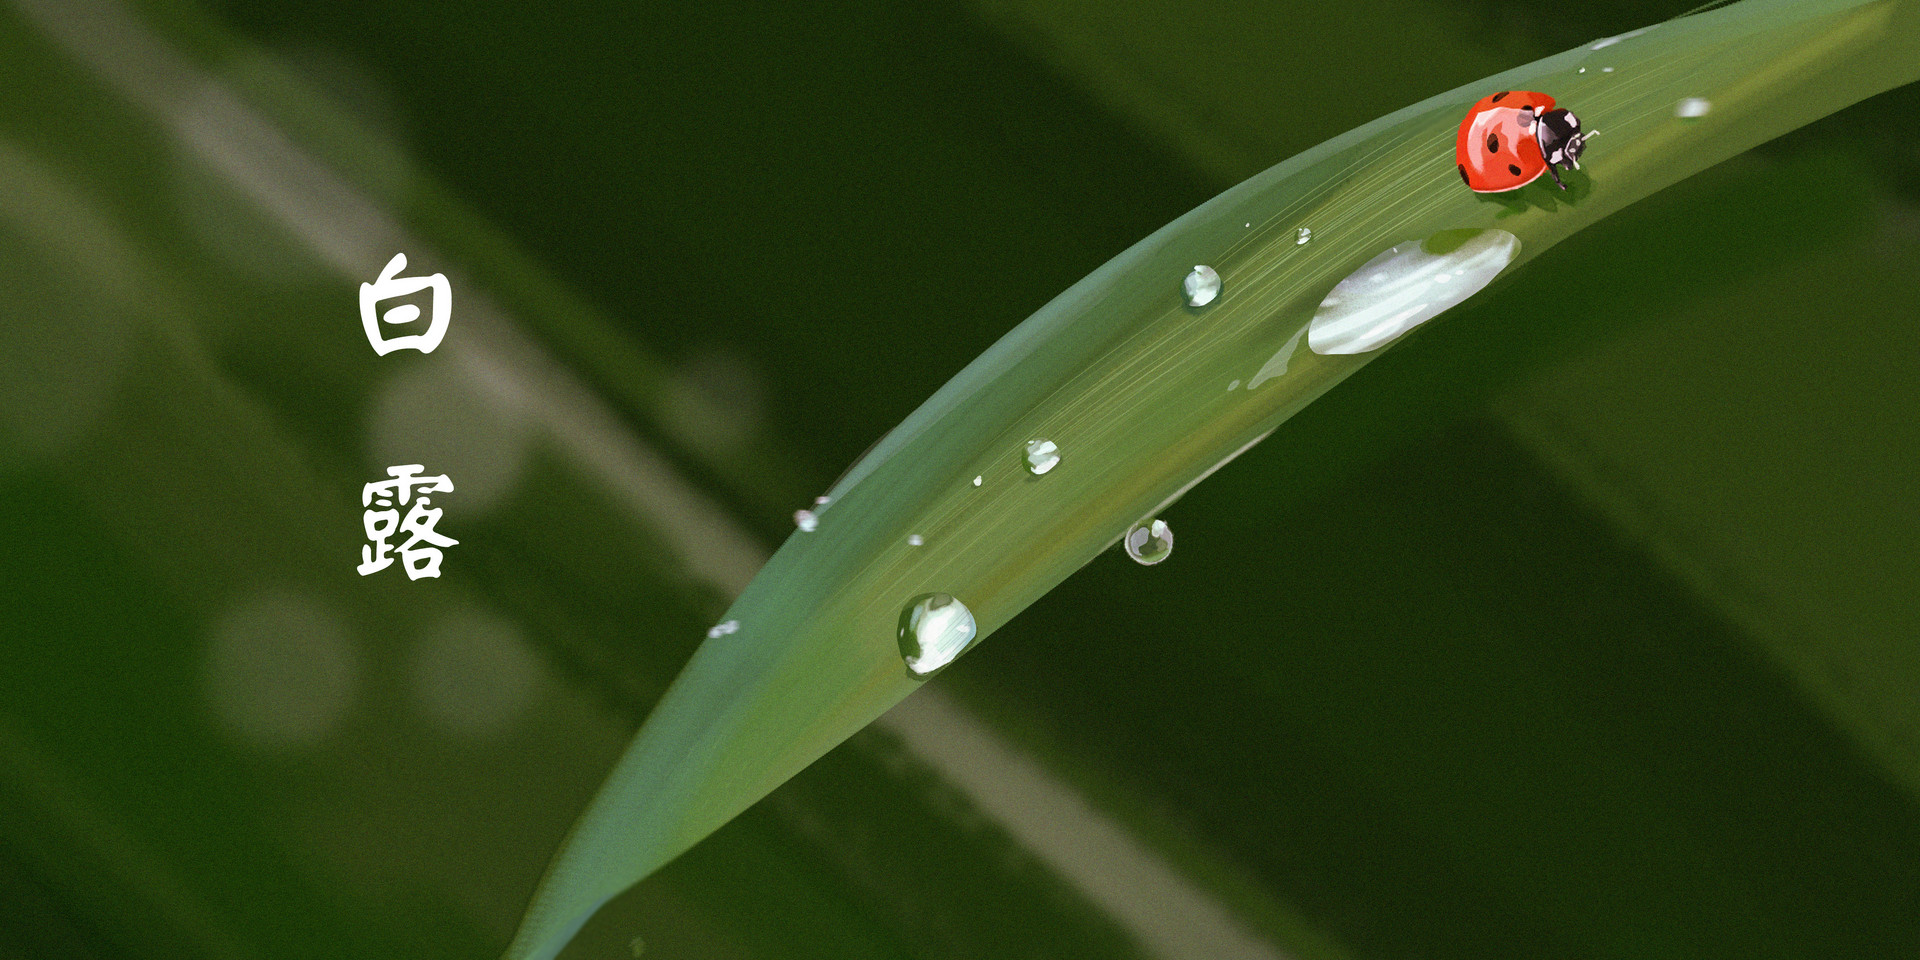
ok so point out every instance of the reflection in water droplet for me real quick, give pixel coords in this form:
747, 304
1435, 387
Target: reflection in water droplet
722, 629
1149, 543
806, 521
1202, 285
1042, 456
1692, 107
914, 540
1276, 365
1303, 236
934, 629
1407, 286
977, 480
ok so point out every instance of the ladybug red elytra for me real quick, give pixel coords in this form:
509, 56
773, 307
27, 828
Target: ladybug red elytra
1512, 137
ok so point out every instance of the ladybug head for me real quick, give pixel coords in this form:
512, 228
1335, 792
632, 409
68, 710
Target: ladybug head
1561, 138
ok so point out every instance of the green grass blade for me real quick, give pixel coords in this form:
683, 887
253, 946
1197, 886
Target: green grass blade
1134, 388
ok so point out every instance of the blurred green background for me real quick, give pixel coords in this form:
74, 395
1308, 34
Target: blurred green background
1582, 625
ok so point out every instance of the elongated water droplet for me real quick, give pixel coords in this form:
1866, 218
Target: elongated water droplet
1042, 456
914, 540
934, 629
1202, 285
1303, 236
722, 629
1692, 107
806, 521
1407, 286
822, 501
1150, 542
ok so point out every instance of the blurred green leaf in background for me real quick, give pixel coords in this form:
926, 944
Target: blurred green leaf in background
1589, 632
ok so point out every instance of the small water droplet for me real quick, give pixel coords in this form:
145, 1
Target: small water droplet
1234, 385
722, 629
1202, 286
1583, 69
1606, 69
1692, 107
1603, 44
822, 501
934, 629
1149, 543
1248, 225
1305, 234
977, 480
913, 540
1407, 286
1042, 455
806, 521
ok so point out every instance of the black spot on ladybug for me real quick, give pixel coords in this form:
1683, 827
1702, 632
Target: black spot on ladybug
1513, 168
1501, 95
1463, 175
1493, 143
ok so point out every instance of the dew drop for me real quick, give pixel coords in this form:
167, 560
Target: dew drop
1202, 286
822, 501
806, 521
1042, 455
1692, 107
1305, 235
934, 629
722, 629
914, 540
977, 480
1407, 286
1149, 543
1606, 69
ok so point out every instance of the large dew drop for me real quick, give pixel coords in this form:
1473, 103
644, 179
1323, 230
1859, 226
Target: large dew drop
934, 629
1201, 286
1407, 286
1150, 542
1042, 455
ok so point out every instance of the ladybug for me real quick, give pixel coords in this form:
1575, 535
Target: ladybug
1509, 139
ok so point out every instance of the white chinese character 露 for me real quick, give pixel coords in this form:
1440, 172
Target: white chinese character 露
419, 561
390, 286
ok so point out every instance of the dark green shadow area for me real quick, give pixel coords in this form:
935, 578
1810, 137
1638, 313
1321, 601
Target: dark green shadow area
1447, 711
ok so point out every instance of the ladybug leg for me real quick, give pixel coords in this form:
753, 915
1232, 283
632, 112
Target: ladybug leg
1556, 176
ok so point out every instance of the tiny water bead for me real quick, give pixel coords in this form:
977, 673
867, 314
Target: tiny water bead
977, 480
1405, 287
1149, 543
914, 540
806, 521
1692, 107
934, 629
1202, 286
1042, 455
822, 501
722, 629
1305, 234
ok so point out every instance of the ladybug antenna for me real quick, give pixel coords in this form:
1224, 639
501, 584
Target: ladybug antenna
1579, 144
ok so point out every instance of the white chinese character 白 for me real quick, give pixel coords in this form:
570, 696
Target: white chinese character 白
390, 286
419, 561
